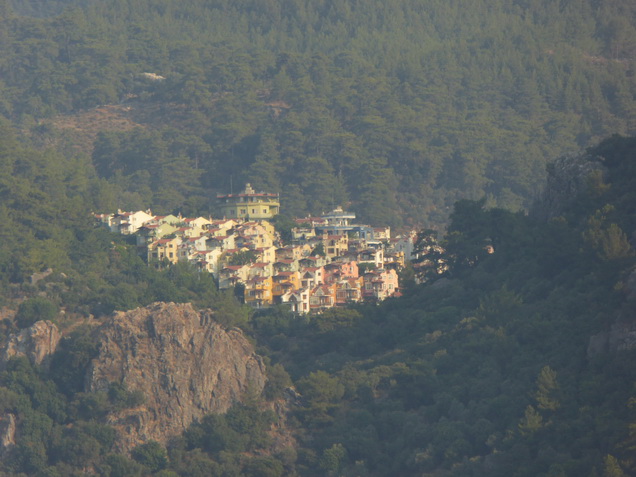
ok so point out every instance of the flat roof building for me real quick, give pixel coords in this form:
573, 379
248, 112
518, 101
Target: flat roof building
249, 204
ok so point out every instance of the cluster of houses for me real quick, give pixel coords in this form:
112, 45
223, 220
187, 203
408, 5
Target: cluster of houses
330, 261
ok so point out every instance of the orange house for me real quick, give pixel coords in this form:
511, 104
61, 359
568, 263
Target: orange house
258, 292
285, 282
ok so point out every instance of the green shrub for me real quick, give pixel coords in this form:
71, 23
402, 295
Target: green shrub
151, 455
35, 309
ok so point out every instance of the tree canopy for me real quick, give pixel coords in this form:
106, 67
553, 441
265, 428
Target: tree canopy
380, 106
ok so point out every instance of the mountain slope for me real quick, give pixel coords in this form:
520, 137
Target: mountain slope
390, 105
518, 362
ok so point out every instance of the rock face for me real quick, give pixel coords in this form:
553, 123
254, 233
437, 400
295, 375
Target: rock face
185, 364
7, 432
37, 343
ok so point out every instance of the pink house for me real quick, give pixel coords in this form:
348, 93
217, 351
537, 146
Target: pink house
380, 284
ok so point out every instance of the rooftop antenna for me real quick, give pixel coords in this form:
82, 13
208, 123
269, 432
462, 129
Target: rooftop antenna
231, 187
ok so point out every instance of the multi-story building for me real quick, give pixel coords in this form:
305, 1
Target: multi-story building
335, 245
285, 265
258, 291
336, 271
149, 233
231, 275
197, 226
322, 297
284, 283
265, 254
312, 276
221, 227
372, 256
126, 222
380, 284
404, 243
348, 291
164, 249
298, 301
250, 204
207, 260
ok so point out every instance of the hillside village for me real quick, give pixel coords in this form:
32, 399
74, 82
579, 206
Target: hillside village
331, 260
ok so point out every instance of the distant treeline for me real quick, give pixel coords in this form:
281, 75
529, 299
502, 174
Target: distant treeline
395, 109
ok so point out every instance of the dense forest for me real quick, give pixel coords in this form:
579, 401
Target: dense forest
435, 114
378, 106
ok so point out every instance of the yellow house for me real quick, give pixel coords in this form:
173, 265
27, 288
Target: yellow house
207, 260
285, 282
164, 249
269, 227
266, 254
335, 245
261, 227
230, 275
249, 204
198, 226
221, 227
258, 291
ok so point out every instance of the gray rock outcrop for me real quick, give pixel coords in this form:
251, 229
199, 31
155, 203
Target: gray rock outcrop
186, 365
37, 343
7, 432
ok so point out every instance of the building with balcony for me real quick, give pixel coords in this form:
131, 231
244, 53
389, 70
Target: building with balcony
249, 204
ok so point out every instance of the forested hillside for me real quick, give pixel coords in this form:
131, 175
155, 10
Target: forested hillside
515, 363
383, 107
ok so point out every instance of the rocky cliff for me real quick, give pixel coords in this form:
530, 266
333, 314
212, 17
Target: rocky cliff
7, 432
37, 343
185, 364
